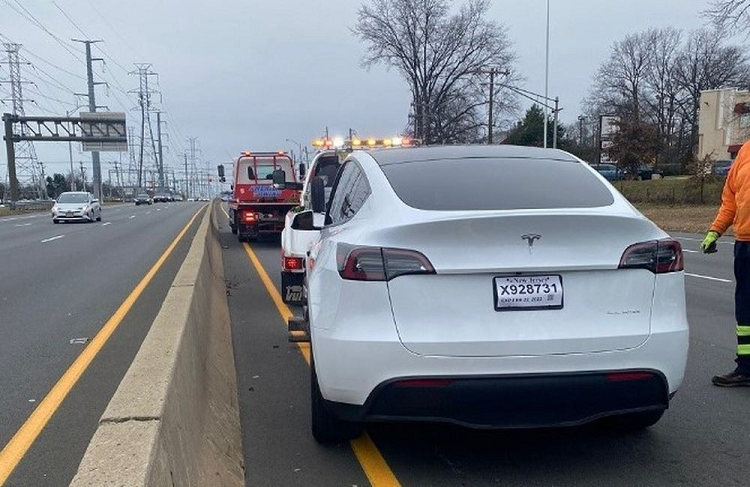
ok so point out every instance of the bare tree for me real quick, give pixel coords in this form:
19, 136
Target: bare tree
621, 80
706, 64
441, 55
661, 84
730, 14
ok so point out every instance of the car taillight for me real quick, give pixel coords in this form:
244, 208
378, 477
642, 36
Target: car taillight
379, 264
249, 216
628, 376
658, 256
292, 263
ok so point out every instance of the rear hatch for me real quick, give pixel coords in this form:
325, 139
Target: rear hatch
459, 311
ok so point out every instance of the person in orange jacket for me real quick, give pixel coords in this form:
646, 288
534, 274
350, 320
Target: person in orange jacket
735, 211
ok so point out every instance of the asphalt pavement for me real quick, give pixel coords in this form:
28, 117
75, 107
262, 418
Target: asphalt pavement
703, 439
58, 285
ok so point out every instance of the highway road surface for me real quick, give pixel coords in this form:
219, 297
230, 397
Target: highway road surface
704, 438
60, 285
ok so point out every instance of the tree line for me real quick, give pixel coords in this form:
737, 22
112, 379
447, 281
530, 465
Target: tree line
651, 81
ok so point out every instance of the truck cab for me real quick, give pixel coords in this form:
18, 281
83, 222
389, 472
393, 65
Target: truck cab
264, 188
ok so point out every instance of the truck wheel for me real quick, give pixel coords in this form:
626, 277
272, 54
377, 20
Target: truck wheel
327, 428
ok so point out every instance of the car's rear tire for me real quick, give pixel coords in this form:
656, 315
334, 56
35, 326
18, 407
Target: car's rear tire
327, 428
234, 228
635, 421
99, 217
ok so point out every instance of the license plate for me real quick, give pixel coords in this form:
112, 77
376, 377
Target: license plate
528, 293
70, 213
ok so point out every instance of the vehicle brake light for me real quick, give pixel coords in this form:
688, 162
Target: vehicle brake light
628, 376
379, 264
658, 256
250, 216
292, 263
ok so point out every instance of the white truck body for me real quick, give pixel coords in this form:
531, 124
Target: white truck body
296, 243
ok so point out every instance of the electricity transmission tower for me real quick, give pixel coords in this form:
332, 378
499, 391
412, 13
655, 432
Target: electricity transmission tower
143, 70
191, 177
27, 169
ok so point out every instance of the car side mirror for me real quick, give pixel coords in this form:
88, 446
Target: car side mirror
318, 195
303, 221
302, 170
95, 201
279, 178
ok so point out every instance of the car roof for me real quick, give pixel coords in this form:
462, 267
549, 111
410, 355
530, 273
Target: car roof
386, 157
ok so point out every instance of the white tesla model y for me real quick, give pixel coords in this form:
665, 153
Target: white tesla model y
492, 287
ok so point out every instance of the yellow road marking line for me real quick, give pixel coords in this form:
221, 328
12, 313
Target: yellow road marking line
12, 454
374, 465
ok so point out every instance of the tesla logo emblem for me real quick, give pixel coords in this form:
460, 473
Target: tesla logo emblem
531, 238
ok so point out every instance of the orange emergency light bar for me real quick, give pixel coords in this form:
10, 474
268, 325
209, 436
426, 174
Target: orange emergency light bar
358, 143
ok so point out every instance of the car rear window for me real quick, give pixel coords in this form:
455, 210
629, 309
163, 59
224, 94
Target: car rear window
496, 184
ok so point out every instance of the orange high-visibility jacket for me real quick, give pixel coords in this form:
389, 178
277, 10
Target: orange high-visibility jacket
735, 200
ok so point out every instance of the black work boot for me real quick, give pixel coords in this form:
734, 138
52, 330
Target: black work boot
733, 379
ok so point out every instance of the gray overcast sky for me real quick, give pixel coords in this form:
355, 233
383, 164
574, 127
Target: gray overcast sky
246, 74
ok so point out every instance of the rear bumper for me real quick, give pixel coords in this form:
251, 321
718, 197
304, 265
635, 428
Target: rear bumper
78, 217
525, 401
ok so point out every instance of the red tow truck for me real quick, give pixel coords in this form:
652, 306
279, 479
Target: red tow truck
265, 187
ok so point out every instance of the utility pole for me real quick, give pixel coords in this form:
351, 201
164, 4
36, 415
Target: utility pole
581, 118
490, 125
557, 113
546, 79
492, 72
23, 168
95, 160
83, 175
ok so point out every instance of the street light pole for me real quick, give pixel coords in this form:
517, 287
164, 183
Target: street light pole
546, 78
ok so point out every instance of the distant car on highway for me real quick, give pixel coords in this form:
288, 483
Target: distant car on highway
609, 171
721, 168
143, 199
162, 197
76, 206
525, 293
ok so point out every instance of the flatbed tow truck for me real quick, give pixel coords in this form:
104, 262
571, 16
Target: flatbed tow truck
264, 188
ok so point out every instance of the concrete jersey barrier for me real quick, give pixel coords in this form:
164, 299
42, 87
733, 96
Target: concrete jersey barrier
174, 419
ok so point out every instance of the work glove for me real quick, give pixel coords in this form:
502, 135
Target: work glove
708, 246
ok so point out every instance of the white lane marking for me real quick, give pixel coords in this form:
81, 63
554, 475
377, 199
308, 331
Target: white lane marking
52, 238
158, 209
148, 212
699, 276
132, 216
106, 223
22, 224
690, 251
701, 240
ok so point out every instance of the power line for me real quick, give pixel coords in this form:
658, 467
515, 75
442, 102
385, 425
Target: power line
34, 21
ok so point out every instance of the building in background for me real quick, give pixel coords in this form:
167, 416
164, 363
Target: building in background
724, 122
